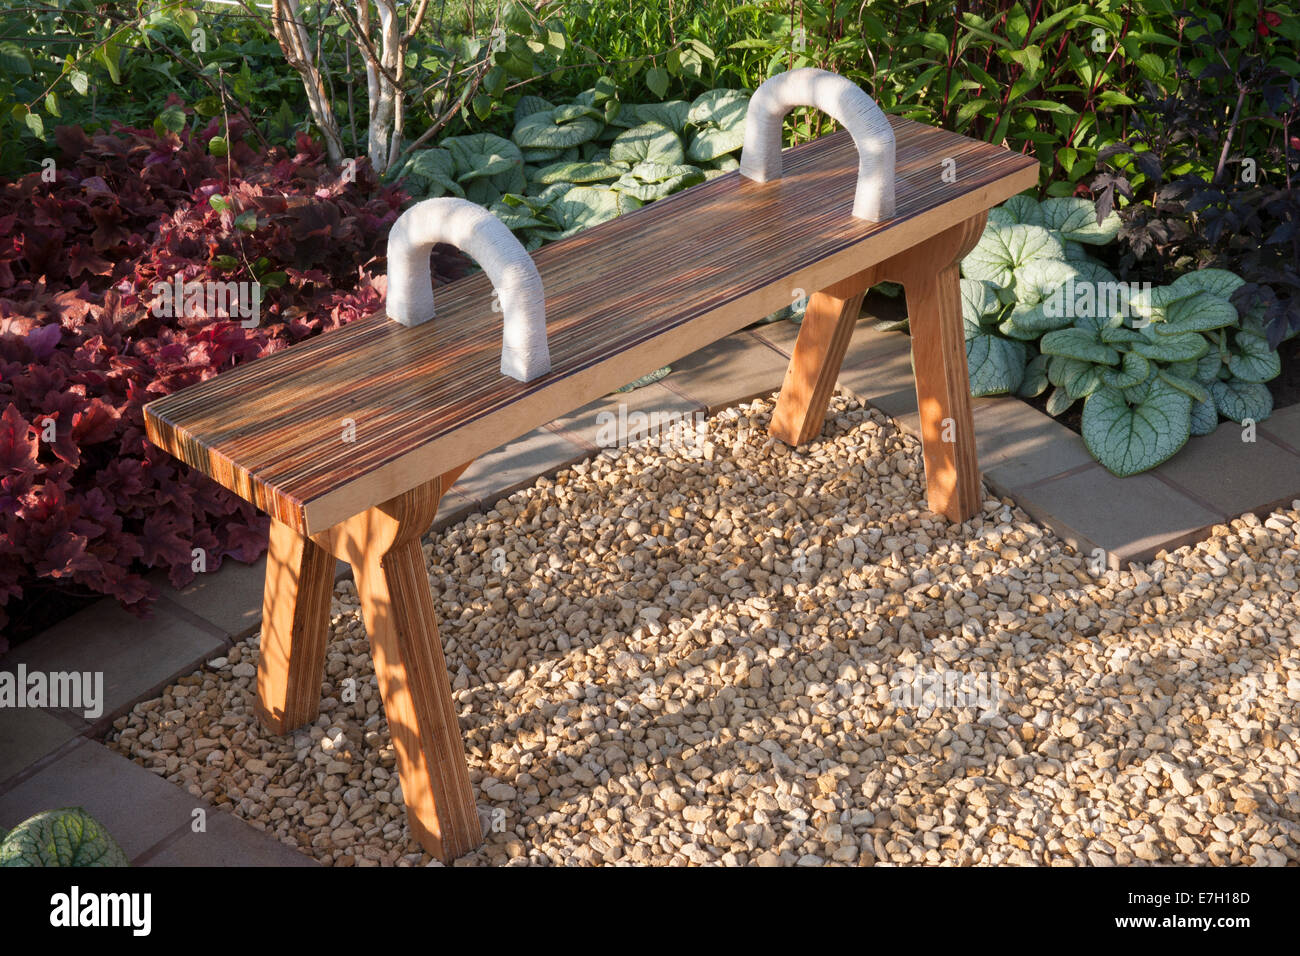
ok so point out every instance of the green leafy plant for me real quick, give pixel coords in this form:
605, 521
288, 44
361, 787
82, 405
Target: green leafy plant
67, 837
1152, 366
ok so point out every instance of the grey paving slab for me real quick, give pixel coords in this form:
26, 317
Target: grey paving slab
454, 507
1284, 427
137, 807
1130, 518
228, 841
517, 464
1019, 445
779, 335
1234, 476
731, 370
135, 656
229, 598
626, 416
27, 735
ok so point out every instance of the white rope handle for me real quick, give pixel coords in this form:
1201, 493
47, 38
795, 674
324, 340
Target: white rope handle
484, 238
760, 160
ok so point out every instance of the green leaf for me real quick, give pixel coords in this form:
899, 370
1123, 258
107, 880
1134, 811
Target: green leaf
710, 144
1078, 378
656, 79
1188, 386
979, 299
645, 380
35, 124
1034, 382
1128, 439
218, 147
584, 206
650, 181
1134, 370
579, 172
527, 105
1256, 361
1023, 209
1217, 282
480, 155
1076, 220
80, 82
247, 221
1199, 312
1205, 417
1080, 345
1002, 250
671, 114
1172, 348
67, 837
1239, 401
997, 365
218, 203
724, 109
1059, 402
542, 130
649, 142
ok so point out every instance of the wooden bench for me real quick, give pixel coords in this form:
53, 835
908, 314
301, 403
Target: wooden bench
628, 296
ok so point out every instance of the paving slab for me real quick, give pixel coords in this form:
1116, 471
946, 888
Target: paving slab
27, 735
732, 370
517, 464
1019, 446
228, 841
229, 598
658, 407
1233, 476
1283, 426
137, 807
1130, 518
135, 656
778, 335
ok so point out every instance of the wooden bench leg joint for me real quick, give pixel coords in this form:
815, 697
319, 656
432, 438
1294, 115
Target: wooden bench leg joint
383, 546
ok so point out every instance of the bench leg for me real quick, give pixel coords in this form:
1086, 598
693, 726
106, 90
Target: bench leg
383, 546
815, 364
295, 627
930, 274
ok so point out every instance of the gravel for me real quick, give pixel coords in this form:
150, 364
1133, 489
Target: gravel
747, 654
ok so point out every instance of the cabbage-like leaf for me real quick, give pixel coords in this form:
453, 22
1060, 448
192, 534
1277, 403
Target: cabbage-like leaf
1078, 344
1000, 217
1002, 250
1042, 289
1076, 220
542, 130
1241, 400
1219, 282
1255, 360
1207, 367
67, 837
482, 154
579, 172
431, 173
1034, 382
1172, 348
584, 206
649, 142
1059, 402
1131, 438
528, 105
1024, 209
650, 181
672, 114
979, 302
710, 144
1188, 386
1205, 417
1134, 370
724, 109
1078, 378
997, 365
1198, 312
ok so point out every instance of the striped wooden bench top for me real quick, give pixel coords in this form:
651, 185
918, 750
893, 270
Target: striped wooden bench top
622, 299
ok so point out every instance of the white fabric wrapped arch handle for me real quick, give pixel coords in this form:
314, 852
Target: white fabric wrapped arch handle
760, 160
484, 238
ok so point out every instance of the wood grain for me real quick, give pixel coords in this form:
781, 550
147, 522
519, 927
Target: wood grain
383, 546
931, 277
623, 298
295, 628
